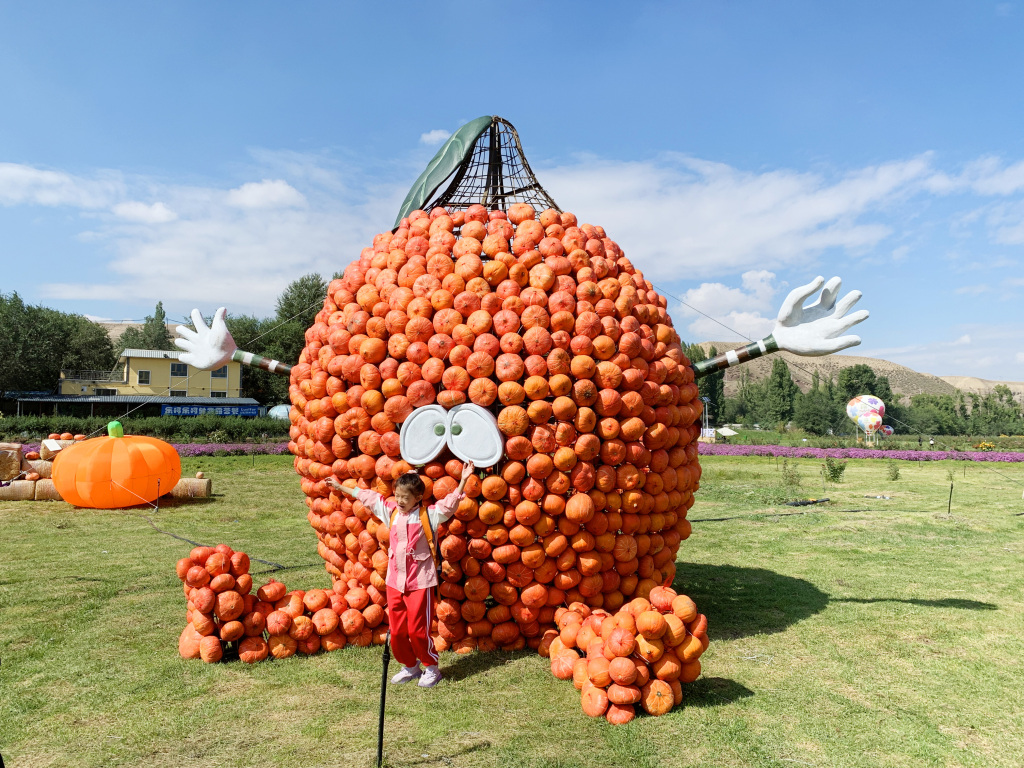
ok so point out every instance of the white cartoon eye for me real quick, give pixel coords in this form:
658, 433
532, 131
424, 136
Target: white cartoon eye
423, 434
473, 435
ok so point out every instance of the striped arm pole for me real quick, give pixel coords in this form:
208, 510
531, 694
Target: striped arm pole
733, 357
266, 363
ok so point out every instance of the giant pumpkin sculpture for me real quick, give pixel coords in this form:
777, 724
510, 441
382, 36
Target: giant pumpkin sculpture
489, 325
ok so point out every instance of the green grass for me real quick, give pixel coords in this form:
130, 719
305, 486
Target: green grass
864, 632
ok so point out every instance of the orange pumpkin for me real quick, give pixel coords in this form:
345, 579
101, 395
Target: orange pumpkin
656, 697
253, 649
594, 701
115, 471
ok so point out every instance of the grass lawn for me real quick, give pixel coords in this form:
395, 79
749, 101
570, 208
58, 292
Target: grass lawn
863, 632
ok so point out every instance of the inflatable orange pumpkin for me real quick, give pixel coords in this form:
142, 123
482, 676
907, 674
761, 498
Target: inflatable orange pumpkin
116, 471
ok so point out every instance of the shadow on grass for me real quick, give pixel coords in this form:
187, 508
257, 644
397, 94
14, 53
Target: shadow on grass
474, 663
714, 692
185, 502
750, 601
443, 759
946, 602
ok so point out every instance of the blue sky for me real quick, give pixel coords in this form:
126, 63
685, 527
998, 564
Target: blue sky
208, 153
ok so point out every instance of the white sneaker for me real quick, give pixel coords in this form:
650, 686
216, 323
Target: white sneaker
407, 674
431, 677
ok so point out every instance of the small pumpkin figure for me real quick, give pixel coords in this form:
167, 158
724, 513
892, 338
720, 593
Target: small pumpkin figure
116, 471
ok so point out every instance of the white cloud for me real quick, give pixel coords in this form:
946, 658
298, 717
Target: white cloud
973, 290
982, 351
988, 176
679, 217
237, 248
266, 194
157, 213
739, 309
436, 136
24, 184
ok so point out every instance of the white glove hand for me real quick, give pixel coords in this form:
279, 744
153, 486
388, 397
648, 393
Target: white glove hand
206, 348
817, 329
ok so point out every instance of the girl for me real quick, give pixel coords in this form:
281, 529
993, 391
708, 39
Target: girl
413, 561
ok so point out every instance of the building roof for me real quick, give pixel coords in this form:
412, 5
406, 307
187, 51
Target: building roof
159, 354
139, 400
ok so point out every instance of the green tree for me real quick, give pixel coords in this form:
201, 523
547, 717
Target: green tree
152, 334
816, 410
281, 337
779, 392
711, 386
301, 300
269, 338
13, 343
935, 415
37, 342
856, 380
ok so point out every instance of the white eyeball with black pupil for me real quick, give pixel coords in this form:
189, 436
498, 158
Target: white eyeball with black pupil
424, 434
473, 435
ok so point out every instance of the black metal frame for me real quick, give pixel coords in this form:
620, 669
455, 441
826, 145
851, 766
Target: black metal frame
495, 175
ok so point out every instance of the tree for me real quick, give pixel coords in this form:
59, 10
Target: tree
856, 380
935, 415
153, 333
13, 342
281, 337
37, 342
777, 395
301, 300
711, 386
816, 410
269, 338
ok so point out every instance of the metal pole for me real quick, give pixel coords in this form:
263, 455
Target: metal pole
383, 695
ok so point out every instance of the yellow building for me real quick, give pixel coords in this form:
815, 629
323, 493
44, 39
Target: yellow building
146, 383
156, 373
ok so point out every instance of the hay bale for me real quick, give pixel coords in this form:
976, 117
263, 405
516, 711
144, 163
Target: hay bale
10, 463
10, 446
43, 467
19, 490
192, 488
46, 491
51, 448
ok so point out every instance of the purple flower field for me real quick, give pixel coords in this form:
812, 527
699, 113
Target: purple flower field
215, 449
232, 449
794, 452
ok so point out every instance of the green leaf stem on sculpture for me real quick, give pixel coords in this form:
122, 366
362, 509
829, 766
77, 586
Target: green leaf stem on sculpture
443, 165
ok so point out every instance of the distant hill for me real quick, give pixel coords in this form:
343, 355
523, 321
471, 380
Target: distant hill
114, 330
903, 380
983, 386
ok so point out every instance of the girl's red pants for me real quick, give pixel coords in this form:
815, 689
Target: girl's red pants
409, 616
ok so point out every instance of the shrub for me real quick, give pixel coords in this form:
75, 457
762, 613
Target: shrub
833, 469
790, 474
178, 429
892, 469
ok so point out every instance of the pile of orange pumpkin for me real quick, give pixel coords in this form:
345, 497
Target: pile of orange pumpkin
64, 436
225, 618
640, 655
545, 322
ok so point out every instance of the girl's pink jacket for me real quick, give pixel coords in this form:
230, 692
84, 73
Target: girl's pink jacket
410, 564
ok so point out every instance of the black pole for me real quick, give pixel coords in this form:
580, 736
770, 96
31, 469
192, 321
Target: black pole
383, 695
949, 509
